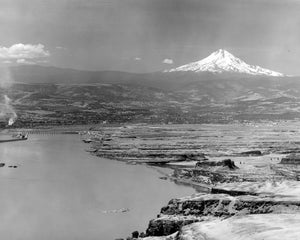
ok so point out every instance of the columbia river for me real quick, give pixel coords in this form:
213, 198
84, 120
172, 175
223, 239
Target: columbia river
59, 191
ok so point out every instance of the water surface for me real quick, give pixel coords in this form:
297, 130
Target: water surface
61, 192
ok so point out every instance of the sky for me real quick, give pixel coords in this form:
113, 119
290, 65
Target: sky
149, 35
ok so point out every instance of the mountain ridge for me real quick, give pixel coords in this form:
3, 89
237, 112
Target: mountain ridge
47, 95
167, 80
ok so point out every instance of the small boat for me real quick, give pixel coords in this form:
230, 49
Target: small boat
121, 210
92, 150
18, 137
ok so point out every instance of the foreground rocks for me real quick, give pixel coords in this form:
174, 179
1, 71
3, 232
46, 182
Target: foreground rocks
249, 227
226, 205
213, 216
168, 224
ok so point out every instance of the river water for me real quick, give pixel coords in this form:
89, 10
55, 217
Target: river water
59, 191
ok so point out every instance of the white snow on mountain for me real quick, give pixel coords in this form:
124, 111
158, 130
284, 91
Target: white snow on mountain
223, 61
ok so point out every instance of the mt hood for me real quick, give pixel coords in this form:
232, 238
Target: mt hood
223, 61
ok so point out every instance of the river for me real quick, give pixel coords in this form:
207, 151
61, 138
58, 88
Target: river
59, 191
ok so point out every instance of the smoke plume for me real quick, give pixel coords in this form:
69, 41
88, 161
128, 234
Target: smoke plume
6, 109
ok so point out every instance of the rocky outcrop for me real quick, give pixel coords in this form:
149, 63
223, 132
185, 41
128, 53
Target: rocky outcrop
248, 227
252, 153
225, 205
201, 207
210, 173
291, 159
225, 171
224, 163
231, 192
166, 225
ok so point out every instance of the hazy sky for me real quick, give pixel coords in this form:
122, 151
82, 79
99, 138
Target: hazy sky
149, 35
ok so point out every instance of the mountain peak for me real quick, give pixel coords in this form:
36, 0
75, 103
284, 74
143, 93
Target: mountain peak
222, 52
223, 61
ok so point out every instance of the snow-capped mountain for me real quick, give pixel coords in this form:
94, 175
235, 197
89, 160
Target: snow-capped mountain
223, 61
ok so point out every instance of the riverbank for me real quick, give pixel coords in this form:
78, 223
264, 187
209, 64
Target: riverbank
216, 159
192, 150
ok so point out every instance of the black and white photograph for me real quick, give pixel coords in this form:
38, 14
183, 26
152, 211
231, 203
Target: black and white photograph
150, 120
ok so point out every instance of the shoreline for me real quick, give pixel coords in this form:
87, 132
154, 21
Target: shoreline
64, 130
225, 160
255, 164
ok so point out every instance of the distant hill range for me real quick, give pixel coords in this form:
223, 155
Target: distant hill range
220, 88
217, 86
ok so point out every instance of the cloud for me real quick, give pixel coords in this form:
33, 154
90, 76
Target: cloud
7, 62
137, 59
24, 61
24, 51
60, 48
42, 61
168, 61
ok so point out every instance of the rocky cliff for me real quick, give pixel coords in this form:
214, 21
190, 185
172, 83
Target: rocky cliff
201, 214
